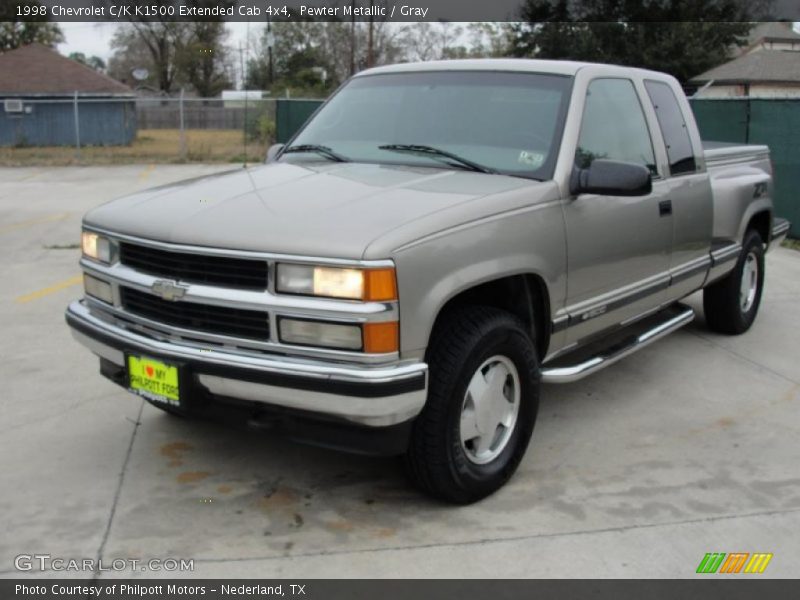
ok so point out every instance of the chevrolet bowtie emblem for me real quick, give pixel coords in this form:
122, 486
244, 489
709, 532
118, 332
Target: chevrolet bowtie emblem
169, 290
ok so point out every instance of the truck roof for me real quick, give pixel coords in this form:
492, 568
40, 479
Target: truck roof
525, 65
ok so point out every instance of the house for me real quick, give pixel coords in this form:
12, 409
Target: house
775, 35
38, 91
767, 67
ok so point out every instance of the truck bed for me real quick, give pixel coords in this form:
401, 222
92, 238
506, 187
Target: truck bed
724, 153
735, 171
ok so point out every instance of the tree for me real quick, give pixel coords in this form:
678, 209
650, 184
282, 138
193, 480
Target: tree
161, 40
164, 42
93, 62
487, 40
34, 29
130, 53
175, 54
679, 37
315, 57
431, 41
203, 58
294, 48
437, 41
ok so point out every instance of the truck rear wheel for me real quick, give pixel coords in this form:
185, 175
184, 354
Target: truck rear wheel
483, 397
731, 304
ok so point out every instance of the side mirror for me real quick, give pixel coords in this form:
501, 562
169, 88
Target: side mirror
611, 178
273, 152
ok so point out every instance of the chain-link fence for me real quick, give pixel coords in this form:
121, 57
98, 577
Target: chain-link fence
118, 130
108, 130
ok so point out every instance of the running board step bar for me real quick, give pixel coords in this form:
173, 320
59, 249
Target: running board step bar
598, 355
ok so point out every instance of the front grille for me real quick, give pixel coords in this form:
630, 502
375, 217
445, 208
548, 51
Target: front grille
196, 268
199, 317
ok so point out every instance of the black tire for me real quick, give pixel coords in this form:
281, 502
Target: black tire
722, 300
436, 459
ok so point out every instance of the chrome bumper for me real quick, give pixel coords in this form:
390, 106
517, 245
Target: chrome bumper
375, 396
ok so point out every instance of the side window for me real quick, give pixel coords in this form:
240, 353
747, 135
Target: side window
673, 127
614, 126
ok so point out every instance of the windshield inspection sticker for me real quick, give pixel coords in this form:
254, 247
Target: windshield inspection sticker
532, 159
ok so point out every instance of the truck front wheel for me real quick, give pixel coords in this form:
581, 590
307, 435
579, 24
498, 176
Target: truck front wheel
482, 402
731, 304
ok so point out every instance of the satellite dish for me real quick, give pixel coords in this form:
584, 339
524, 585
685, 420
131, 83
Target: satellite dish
140, 74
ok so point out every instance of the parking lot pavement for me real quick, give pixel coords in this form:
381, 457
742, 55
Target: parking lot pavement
687, 447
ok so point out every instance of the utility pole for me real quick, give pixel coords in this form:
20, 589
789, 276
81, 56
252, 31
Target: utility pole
371, 38
353, 38
244, 89
241, 66
183, 128
270, 41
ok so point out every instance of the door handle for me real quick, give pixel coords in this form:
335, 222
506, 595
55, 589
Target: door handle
664, 208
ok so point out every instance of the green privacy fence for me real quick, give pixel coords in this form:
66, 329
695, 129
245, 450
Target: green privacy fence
291, 115
774, 122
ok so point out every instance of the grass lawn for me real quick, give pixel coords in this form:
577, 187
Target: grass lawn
791, 243
150, 146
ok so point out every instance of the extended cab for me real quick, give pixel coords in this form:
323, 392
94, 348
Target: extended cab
437, 241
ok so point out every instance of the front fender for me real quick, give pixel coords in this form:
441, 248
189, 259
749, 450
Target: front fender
434, 270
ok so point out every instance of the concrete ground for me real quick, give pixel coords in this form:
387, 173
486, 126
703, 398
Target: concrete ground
688, 447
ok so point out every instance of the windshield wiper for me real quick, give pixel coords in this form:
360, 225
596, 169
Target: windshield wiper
317, 149
437, 153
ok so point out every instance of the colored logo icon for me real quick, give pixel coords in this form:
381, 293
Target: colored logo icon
735, 562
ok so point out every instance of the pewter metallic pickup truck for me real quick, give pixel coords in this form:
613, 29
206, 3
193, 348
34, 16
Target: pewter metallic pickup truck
437, 241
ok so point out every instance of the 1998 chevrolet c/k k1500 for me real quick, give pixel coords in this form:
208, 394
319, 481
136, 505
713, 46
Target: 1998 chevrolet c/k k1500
438, 240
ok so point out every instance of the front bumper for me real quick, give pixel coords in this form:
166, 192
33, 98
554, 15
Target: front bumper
369, 396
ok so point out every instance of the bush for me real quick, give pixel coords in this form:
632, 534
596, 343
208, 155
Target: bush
259, 126
265, 130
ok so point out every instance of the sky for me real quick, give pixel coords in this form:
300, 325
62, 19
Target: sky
94, 39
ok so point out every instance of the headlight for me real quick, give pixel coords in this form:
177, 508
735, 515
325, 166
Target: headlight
96, 247
336, 282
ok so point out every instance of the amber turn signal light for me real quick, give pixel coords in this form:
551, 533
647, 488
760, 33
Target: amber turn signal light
380, 338
380, 285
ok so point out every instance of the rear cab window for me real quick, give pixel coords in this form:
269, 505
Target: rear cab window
673, 128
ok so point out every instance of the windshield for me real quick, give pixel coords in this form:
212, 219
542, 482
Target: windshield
505, 122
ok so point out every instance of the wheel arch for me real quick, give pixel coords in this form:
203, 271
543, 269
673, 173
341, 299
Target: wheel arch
762, 223
525, 295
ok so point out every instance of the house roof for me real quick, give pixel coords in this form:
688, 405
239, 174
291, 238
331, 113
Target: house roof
39, 70
765, 66
773, 31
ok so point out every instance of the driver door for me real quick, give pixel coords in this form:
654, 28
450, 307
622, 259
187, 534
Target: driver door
618, 248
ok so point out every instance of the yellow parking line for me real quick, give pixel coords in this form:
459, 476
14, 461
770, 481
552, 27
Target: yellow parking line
31, 222
30, 176
146, 173
51, 289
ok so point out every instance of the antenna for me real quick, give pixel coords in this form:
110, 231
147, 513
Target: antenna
707, 85
244, 85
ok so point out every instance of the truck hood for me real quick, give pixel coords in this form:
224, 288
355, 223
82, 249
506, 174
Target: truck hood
333, 210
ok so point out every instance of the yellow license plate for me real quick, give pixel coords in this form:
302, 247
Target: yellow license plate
154, 379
